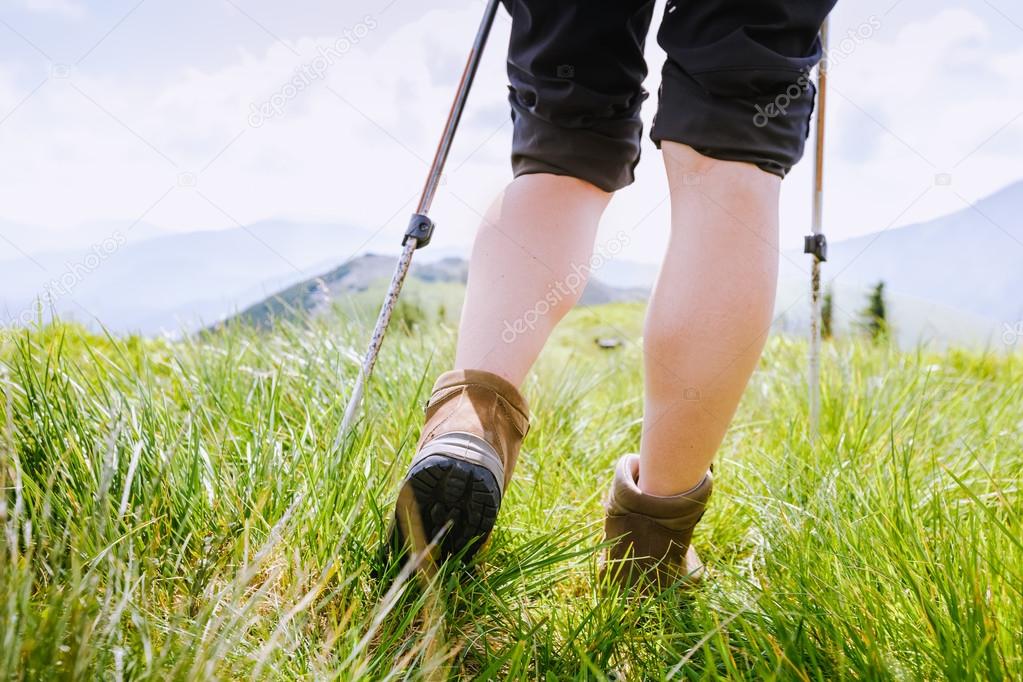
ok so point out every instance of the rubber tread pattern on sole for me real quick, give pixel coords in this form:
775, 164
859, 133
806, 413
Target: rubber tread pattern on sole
448, 489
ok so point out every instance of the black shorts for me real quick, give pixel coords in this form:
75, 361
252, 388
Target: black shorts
735, 85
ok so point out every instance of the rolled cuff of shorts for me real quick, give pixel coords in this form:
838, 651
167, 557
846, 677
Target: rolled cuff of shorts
602, 152
767, 130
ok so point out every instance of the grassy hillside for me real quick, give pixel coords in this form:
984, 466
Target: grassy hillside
355, 288
177, 510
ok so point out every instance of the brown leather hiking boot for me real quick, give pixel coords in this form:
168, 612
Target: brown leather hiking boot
475, 423
653, 532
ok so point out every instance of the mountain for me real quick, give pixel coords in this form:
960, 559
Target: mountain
956, 278
914, 321
18, 240
599, 292
971, 260
627, 274
314, 295
373, 272
173, 282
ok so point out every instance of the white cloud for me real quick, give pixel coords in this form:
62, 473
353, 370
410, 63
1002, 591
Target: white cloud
89, 148
914, 102
67, 8
937, 84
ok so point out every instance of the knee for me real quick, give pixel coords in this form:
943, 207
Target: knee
556, 187
688, 168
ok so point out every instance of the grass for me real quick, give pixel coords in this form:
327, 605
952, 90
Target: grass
176, 510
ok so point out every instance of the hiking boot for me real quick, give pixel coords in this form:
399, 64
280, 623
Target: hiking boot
475, 423
653, 533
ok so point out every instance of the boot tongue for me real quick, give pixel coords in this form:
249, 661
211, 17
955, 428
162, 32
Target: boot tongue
674, 511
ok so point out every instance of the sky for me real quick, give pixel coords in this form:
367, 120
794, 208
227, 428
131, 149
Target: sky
177, 116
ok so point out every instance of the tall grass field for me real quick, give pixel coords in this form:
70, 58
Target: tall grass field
178, 510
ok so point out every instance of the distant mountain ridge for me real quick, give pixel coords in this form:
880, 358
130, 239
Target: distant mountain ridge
177, 281
958, 277
970, 260
315, 295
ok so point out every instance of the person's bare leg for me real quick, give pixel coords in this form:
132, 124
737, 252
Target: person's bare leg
709, 314
528, 268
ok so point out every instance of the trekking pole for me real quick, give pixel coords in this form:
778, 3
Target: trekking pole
420, 227
816, 244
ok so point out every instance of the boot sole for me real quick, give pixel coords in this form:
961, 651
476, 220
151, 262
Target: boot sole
448, 501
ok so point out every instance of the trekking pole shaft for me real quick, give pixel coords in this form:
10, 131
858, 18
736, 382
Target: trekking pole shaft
817, 229
818, 168
425, 201
457, 107
375, 341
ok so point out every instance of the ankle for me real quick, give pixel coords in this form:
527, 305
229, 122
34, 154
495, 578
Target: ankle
681, 503
661, 486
